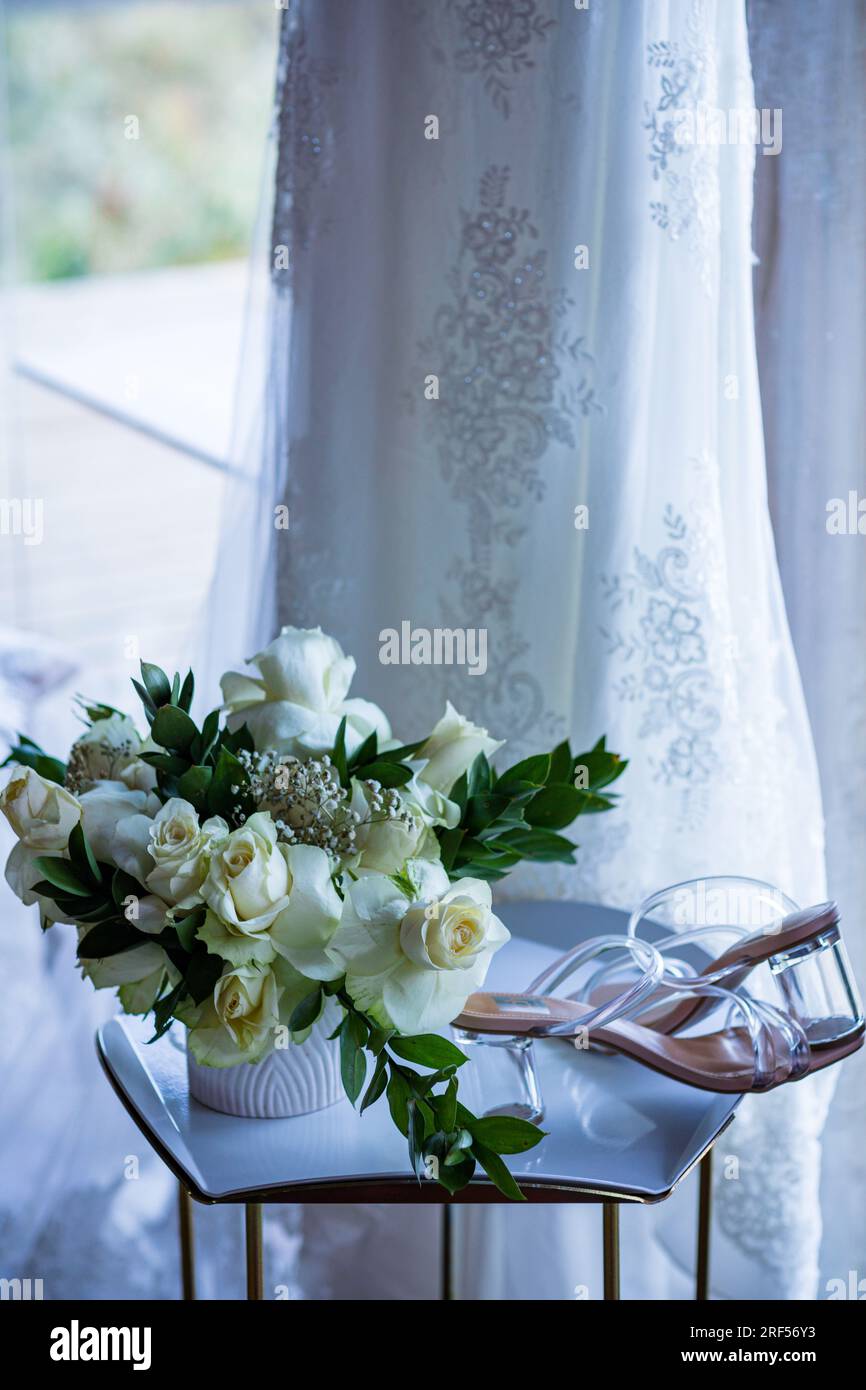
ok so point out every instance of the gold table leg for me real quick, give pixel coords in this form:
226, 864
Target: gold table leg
447, 1252
255, 1263
610, 1242
187, 1242
705, 1213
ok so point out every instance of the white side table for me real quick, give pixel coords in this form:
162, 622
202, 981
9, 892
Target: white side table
617, 1132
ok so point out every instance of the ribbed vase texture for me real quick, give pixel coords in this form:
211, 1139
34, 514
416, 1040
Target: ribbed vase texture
294, 1080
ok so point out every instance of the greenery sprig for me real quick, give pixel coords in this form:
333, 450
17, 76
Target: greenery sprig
447, 1143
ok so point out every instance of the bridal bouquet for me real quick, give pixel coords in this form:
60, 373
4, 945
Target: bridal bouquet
289, 851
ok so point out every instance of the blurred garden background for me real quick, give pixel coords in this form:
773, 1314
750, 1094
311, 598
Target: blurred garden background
134, 140
135, 131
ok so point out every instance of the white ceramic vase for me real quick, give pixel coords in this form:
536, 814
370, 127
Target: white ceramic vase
294, 1080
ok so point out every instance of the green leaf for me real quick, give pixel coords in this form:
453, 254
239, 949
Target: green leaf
542, 845
415, 1134
378, 1082
110, 939
592, 804
353, 1063
124, 886
338, 755
307, 1011
446, 1106
387, 774
188, 925
535, 770
221, 800
561, 763
506, 1135
194, 785
149, 706
156, 683
366, 753
428, 1050
459, 792
163, 1010
449, 844
82, 856
497, 1172
169, 763
173, 729
377, 1040
455, 1178
482, 808
88, 911
401, 754
555, 807
602, 767
208, 736
202, 973
187, 691
237, 740
480, 777
399, 1095
62, 875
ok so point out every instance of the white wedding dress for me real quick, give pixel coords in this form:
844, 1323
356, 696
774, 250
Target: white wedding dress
572, 287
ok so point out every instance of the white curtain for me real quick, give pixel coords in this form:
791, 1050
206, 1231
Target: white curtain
578, 283
810, 292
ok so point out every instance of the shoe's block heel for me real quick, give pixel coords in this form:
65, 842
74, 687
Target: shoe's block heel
503, 1079
818, 987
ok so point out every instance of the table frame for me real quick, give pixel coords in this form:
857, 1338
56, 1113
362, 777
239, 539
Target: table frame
407, 1190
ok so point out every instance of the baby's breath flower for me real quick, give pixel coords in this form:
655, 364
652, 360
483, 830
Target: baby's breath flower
308, 804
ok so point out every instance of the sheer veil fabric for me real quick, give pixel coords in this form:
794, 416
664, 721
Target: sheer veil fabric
512, 386
810, 294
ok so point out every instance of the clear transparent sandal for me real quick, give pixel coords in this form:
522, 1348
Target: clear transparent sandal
803, 949
750, 1044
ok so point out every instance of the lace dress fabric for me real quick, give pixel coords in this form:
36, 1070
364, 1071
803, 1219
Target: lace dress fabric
540, 300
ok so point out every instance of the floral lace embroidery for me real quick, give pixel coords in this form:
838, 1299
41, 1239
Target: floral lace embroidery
305, 142
662, 633
513, 381
496, 41
686, 172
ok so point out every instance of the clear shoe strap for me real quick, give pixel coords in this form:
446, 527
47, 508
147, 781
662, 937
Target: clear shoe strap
649, 962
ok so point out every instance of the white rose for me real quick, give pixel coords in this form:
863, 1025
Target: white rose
117, 824
42, 814
105, 750
138, 775
298, 702
268, 898
149, 914
181, 850
386, 843
413, 966
452, 748
126, 967
426, 801
22, 875
238, 1023
248, 880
